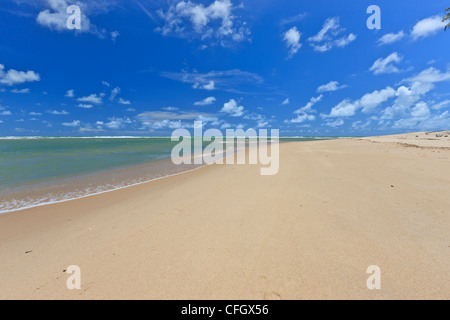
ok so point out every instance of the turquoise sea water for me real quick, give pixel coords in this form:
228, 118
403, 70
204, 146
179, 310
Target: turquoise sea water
32, 160
37, 170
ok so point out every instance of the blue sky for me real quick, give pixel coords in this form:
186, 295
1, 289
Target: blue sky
147, 67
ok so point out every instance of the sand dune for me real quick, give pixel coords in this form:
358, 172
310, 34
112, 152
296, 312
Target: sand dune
225, 232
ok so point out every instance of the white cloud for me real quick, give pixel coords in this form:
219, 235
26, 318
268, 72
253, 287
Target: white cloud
427, 27
430, 75
441, 105
331, 86
343, 42
114, 93
228, 80
309, 105
114, 35
370, 101
302, 118
286, 101
205, 102
187, 19
56, 17
345, 108
106, 84
334, 124
85, 106
358, 125
20, 91
292, 39
171, 109
13, 77
150, 116
297, 18
58, 113
93, 98
206, 86
305, 113
125, 102
233, 109
70, 93
5, 112
131, 110
163, 124
391, 38
386, 65
330, 36
75, 123
118, 123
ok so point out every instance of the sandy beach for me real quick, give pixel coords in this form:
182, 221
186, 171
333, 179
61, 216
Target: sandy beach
226, 232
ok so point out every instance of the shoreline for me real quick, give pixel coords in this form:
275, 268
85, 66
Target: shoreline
225, 232
107, 180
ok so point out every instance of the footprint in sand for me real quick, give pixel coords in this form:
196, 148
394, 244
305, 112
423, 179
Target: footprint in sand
267, 295
271, 296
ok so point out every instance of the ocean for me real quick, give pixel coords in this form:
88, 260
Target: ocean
35, 171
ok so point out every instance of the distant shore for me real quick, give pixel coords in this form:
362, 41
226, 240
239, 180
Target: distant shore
226, 232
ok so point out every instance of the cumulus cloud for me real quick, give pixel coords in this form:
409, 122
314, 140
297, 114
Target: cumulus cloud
335, 124
368, 103
427, 27
4, 112
430, 75
331, 86
408, 109
163, 124
232, 108
286, 101
330, 36
70, 93
386, 65
215, 22
391, 38
125, 102
292, 40
14, 77
345, 108
93, 98
309, 105
56, 17
305, 113
75, 123
117, 123
205, 86
205, 102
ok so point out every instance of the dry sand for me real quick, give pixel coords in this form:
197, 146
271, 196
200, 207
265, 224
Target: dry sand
225, 232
